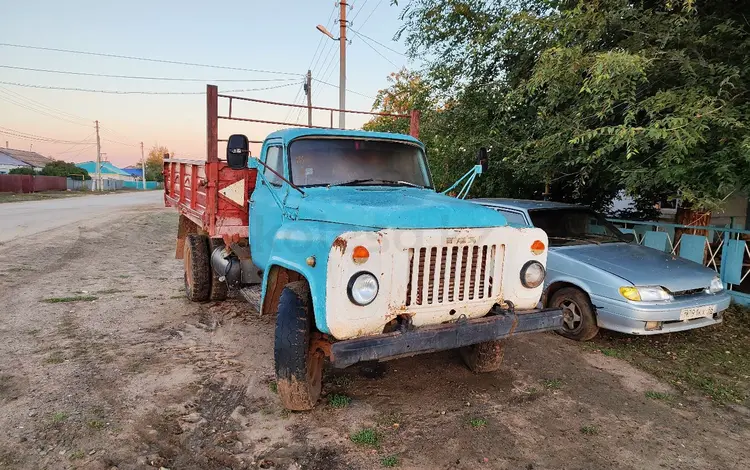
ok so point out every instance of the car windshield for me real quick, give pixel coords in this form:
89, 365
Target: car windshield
575, 226
331, 162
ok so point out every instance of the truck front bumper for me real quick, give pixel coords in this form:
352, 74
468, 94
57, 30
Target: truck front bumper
427, 339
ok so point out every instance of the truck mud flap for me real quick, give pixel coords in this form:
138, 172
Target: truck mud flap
441, 337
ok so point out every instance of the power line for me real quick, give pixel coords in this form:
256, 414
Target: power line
336, 86
145, 59
20, 104
370, 15
377, 42
119, 92
378, 52
38, 138
320, 41
45, 107
132, 77
359, 10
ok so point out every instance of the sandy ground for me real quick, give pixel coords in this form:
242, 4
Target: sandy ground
142, 378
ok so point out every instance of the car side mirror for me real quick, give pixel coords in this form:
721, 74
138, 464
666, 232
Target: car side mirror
238, 150
483, 159
628, 237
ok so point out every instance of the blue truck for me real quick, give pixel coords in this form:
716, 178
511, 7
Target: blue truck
356, 253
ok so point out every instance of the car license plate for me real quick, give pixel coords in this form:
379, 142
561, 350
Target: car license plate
697, 312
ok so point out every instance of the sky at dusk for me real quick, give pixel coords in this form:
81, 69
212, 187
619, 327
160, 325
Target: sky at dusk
271, 36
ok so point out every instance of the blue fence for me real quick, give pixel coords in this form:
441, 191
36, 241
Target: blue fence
723, 249
139, 185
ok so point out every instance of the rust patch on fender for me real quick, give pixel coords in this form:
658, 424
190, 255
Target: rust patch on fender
340, 244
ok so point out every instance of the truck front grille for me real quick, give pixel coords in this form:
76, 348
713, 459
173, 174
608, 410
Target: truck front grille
456, 274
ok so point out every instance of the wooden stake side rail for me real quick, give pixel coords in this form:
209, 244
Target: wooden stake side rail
212, 195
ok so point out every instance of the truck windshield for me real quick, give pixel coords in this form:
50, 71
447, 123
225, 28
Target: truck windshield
330, 162
575, 226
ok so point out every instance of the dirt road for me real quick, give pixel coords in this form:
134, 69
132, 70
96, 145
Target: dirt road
131, 375
21, 219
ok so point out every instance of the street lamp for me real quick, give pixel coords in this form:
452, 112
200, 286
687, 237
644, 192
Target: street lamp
342, 59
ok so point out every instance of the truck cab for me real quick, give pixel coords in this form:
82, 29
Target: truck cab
362, 259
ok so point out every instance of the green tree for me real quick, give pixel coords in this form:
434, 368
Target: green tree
61, 168
22, 171
155, 163
590, 97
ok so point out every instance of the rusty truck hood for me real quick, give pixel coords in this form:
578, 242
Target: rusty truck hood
394, 207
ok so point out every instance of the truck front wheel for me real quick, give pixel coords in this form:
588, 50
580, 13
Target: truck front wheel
299, 366
197, 268
484, 357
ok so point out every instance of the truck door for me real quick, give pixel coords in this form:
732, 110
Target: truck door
265, 214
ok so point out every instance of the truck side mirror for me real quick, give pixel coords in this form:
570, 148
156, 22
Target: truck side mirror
238, 149
483, 159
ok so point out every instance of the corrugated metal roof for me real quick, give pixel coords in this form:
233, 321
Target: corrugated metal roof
106, 168
8, 160
32, 158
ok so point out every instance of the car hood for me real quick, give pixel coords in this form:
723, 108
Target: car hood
389, 207
639, 265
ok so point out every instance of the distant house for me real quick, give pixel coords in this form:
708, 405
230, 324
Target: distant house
32, 159
109, 171
8, 163
135, 170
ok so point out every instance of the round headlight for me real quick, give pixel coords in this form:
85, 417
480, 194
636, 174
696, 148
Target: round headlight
363, 288
532, 274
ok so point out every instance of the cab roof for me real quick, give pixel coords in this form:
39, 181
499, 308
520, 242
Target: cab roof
295, 133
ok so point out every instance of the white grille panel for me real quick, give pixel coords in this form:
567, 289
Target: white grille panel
452, 274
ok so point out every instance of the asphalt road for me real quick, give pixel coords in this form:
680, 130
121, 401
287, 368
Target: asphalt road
21, 219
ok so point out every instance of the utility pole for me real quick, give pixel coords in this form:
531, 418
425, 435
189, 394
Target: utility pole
342, 63
308, 92
143, 167
98, 159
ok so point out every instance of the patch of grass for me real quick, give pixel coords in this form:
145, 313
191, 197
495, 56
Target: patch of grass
389, 461
552, 384
55, 357
59, 416
96, 424
713, 361
181, 296
111, 291
610, 352
589, 430
123, 276
366, 437
140, 296
74, 298
478, 422
78, 454
659, 396
273, 387
342, 381
338, 400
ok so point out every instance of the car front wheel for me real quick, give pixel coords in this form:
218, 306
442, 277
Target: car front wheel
579, 319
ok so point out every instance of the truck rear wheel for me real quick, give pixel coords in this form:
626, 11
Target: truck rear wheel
197, 268
299, 367
219, 289
484, 357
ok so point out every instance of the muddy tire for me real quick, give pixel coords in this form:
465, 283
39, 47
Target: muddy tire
299, 368
579, 319
483, 357
219, 289
197, 268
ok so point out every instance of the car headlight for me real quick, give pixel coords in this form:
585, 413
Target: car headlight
363, 288
716, 286
645, 293
532, 274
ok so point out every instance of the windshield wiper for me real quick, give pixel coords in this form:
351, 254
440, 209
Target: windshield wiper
370, 180
580, 240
